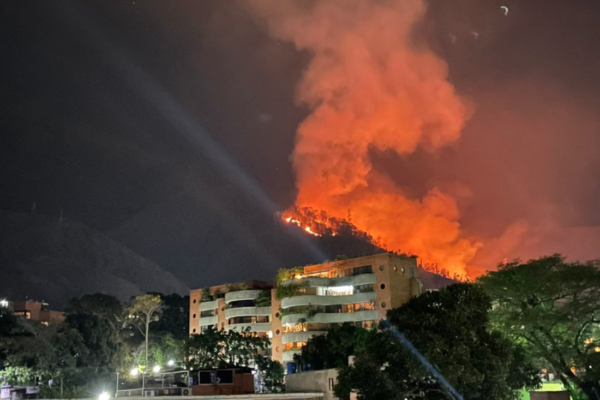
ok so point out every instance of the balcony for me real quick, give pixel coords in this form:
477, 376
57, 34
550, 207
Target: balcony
315, 281
288, 356
209, 305
206, 321
262, 327
247, 312
333, 318
242, 295
328, 300
292, 337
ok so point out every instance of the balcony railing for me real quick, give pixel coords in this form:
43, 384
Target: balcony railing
332, 318
288, 355
247, 312
209, 305
304, 300
242, 295
258, 327
205, 321
292, 337
315, 281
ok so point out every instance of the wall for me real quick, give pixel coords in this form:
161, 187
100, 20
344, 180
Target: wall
549, 395
313, 381
277, 329
195, 296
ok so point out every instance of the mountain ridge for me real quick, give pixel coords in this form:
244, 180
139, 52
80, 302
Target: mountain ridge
40, 254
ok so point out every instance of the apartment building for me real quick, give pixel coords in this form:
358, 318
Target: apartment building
306, 301
232, 306
34, 310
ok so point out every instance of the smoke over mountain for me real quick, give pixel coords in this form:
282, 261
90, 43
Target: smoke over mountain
369, 85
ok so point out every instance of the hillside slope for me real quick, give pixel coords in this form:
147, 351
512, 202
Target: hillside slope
48, 259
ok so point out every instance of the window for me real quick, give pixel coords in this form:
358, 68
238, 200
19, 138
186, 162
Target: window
298, 327
204, 314
381, 268
365, 269
331, 384
194, 301
242, 320
215, 377
382, 286
194, 316
294, 346
336, 291
383, 305
206, 328
363, 288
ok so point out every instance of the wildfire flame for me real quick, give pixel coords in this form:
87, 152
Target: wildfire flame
371, 88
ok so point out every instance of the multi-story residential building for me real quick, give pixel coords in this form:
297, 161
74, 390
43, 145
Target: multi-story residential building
308, 300
34, 310
233, 306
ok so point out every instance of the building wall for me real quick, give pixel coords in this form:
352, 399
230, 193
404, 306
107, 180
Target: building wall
313, 381
221, 320
276, 328
194, 315
35, 311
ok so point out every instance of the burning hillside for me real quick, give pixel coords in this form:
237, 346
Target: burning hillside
321, 225
370, 87
318, 223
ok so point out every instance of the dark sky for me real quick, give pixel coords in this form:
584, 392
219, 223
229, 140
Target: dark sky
169, 127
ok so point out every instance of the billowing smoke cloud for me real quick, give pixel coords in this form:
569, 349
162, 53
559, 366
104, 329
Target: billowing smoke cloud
369, 86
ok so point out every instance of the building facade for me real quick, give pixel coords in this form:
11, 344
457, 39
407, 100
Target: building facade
306, 301
35, 311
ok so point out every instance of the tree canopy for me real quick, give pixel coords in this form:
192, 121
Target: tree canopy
224, 348
99, 320
333, 349
552, 307
451, 329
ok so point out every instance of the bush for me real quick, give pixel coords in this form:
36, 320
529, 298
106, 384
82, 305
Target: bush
291, 290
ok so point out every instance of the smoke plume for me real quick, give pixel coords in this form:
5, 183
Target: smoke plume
370, 86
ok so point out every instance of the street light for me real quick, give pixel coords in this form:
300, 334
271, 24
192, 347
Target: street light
156, 368
134, 371
104, 396
171, 363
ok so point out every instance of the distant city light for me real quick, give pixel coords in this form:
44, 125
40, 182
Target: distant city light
156, 368
171, 363
104, 396
4, 303
134, 371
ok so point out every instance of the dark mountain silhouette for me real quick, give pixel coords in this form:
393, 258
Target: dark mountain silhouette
46, 258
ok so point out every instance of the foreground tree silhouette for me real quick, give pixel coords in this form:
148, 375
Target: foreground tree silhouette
553, 307
451, 329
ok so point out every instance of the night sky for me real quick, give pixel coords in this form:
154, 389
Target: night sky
169, 126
